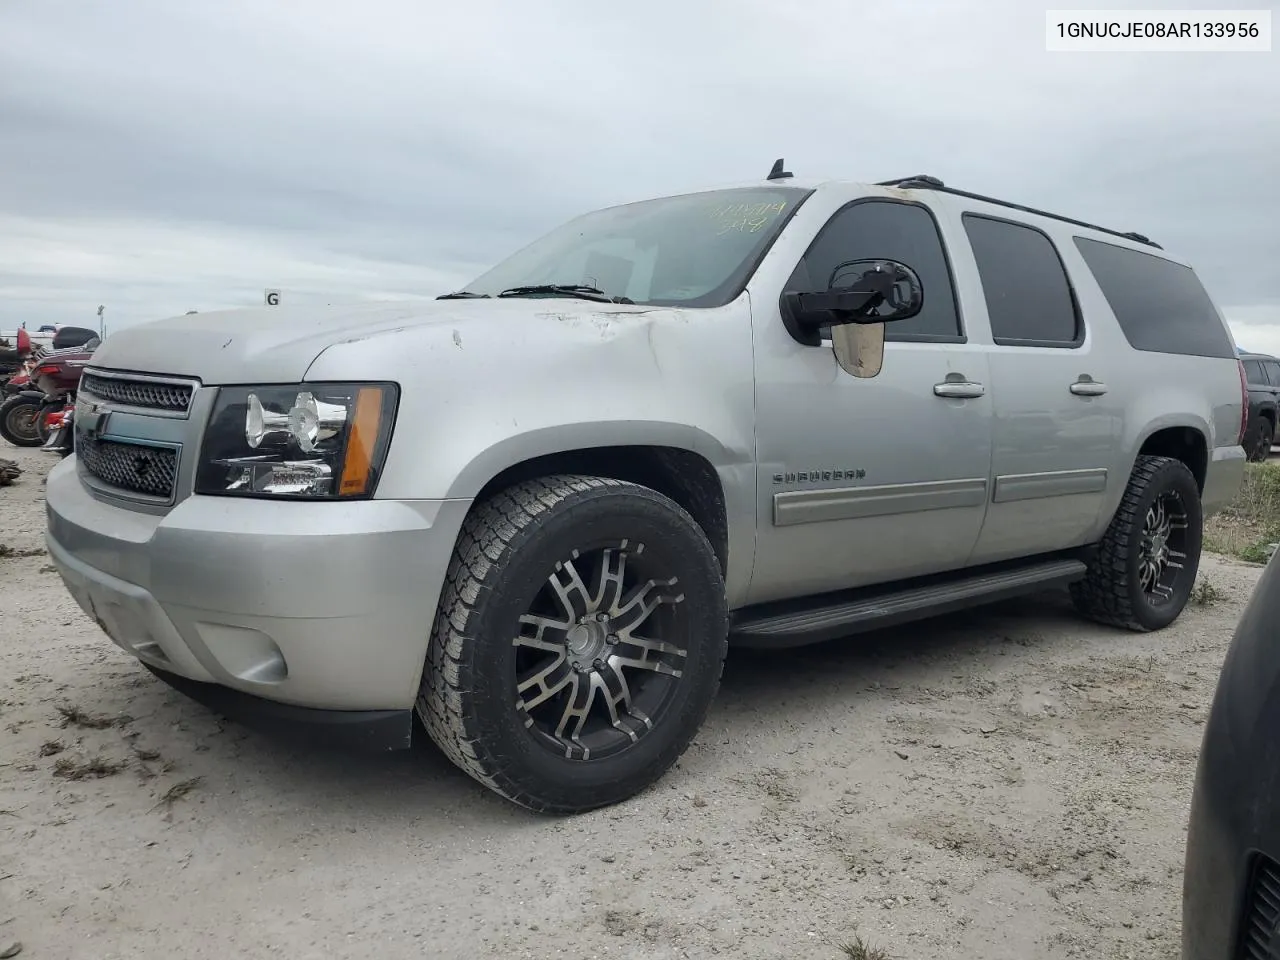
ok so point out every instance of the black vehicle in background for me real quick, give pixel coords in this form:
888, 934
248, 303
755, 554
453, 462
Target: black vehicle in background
1231, 887
1262, 374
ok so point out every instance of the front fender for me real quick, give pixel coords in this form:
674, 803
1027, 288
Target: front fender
499, 390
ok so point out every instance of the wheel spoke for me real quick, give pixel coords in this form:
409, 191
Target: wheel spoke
613, 569
547, 681
570, 591
616, 693
642, 603
655, 646
581, 694
644, 663
539, 640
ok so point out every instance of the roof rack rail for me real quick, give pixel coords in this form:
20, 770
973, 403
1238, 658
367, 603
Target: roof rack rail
925, 182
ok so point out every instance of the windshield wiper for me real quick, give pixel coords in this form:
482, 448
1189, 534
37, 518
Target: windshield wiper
462, 295
581, 291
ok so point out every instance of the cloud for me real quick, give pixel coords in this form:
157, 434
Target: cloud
158, 156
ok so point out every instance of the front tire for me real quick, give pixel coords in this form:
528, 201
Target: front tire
578, 643
1142, 573
19, 418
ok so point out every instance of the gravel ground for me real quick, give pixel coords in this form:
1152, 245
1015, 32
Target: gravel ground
1012, 783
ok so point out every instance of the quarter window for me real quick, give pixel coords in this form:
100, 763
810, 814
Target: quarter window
1160, 305
1253, 372
890, 230
1029, 298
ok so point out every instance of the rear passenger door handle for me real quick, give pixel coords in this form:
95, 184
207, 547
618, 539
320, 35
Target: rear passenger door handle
1088, 388
959, 389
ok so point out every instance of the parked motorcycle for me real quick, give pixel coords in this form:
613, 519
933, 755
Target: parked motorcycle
16, 357
19, 379
24, 416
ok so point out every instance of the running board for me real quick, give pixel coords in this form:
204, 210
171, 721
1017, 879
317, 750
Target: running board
816, 619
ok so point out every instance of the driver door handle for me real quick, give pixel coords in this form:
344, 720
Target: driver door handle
959, 389
1088, 388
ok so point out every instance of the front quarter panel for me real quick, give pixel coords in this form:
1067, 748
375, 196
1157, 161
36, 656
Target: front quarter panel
496, 390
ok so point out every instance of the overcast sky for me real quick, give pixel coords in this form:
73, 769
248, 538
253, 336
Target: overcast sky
164, 155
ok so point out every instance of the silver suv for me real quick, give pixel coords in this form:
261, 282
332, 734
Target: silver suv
537, 510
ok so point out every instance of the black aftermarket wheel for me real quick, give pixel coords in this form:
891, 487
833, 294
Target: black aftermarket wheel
1146, 564
578, 643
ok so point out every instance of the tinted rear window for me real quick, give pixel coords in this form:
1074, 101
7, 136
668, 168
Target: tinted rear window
1161, 305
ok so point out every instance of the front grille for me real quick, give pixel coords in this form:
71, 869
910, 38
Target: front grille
138, 393
130, 466
1259, 937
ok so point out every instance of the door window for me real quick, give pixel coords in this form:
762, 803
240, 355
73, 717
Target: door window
1029, 298
890, 230
1272, 369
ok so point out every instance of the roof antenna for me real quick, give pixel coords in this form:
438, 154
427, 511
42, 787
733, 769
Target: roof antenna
778, 173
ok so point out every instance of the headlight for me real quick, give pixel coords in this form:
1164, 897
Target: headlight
312, 440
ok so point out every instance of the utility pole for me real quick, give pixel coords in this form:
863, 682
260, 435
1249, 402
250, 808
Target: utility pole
101, 328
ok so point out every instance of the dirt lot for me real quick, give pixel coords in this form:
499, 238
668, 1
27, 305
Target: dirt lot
1008, 784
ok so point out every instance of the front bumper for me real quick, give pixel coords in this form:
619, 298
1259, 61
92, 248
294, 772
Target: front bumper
321, 605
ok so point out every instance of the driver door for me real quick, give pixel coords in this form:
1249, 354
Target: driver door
864, 481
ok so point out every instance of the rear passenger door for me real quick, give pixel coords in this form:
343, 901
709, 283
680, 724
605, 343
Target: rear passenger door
1056, 423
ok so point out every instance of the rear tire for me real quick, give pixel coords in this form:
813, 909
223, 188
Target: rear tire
1259, 439
561, 709
1143, 571
18, 421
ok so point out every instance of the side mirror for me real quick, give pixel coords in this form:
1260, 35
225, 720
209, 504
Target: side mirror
861, 297
859, 348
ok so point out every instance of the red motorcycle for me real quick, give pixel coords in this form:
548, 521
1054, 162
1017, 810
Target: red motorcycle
25, 417
16, 359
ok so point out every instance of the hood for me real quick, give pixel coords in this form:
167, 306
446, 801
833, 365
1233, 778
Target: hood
279, 344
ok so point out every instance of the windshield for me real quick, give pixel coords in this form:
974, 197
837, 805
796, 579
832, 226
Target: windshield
694, 250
